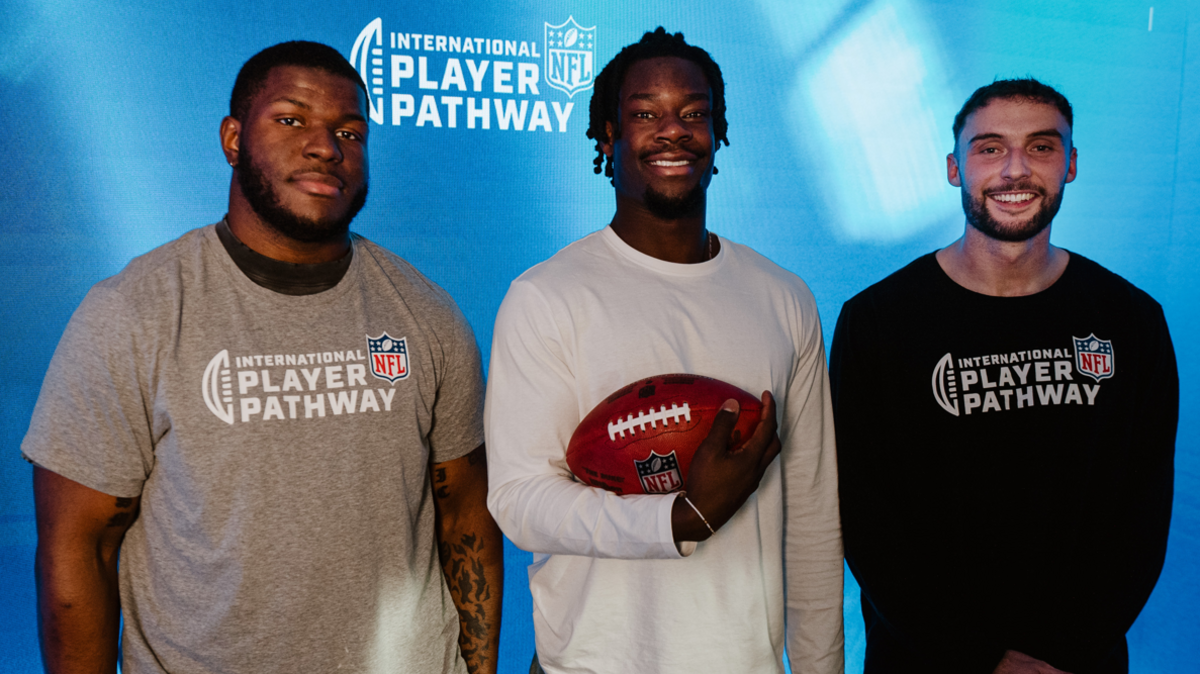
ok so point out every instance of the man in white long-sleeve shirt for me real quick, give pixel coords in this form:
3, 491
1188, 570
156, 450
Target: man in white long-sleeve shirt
653, 583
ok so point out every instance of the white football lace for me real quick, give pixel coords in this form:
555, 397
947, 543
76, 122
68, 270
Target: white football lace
651, 417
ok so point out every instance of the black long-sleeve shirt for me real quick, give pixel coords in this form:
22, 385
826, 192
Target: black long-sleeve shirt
1006, 467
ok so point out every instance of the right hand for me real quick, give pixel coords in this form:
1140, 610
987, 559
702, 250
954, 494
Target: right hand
1016, 662
720, 480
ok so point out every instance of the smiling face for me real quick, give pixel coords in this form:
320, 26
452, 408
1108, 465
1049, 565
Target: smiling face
300, 154
1012, 159
663, 157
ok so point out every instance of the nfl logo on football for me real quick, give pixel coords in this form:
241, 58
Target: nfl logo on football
1094, 357
659, 473
388, 356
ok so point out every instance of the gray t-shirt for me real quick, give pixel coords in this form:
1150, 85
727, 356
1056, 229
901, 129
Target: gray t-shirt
281, 446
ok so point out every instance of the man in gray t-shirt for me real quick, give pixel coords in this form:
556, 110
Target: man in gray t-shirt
275, 423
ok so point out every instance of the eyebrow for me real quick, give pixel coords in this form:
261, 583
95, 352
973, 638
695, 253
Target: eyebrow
1049, 133
355, 117
297, 103
650, 97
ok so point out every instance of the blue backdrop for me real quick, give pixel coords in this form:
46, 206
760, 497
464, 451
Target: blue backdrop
839, 114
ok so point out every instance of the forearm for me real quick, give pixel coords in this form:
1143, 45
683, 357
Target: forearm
78, 610
554, 515
472, 556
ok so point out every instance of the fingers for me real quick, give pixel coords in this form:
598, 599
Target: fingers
765, 431
768, 456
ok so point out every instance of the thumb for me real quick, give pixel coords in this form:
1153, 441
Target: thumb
723, 425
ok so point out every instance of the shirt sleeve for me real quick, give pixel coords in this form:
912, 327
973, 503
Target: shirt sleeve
457, 427
1124, 540
532, 409
889, 536
813, 534
93, 420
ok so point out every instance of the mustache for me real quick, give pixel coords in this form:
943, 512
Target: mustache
692, 148
1017, 186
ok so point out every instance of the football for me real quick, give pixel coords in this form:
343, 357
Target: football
640, 439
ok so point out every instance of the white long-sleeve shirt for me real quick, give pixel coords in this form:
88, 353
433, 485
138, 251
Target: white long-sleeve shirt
611, 592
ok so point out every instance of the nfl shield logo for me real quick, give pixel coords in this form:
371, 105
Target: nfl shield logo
1094, 357
570, 56
659, 473
388, 356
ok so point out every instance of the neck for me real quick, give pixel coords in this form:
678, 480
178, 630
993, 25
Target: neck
1003, 268
682, 241
265, 240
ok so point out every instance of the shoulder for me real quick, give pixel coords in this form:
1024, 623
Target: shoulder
413, 286
903, 290
580, 257
151, 280
751, 267
147, 272
1085, 277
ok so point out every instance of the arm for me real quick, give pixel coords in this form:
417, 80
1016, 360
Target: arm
472, 553
533, 406
79, 537
1123, 539
813, 566
894, 531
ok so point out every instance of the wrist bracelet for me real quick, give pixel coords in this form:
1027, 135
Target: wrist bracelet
699, 514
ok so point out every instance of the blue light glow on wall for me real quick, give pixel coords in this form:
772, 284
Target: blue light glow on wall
840, 114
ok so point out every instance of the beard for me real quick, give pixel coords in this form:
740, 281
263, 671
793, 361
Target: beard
979, 217
266, 203
669, 207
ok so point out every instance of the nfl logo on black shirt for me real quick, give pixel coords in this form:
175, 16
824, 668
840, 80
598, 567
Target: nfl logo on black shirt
388, 356
659, 473
1094, 357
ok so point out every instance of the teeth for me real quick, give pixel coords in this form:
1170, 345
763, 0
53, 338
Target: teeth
1013, 198
663, 162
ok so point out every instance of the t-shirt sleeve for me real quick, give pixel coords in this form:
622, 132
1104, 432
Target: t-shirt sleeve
92, 421
813, 532
532, 410
457, 427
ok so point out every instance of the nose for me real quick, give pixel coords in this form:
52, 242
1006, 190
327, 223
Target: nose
1016, 166
672, 129
321, 144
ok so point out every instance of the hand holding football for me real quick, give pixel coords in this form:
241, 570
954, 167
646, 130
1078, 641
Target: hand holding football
641, 439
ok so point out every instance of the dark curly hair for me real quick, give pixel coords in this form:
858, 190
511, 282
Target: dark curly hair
1026, 88
606, 94
254, 72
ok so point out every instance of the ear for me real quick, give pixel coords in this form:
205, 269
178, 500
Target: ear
952, 173
606, 146
1071, 167
231, 137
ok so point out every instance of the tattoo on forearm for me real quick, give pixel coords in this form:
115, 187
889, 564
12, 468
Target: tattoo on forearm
119, 520
122, 519
464, 571
440, 489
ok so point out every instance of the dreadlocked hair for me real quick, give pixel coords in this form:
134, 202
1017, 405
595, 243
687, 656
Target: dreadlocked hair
606, 94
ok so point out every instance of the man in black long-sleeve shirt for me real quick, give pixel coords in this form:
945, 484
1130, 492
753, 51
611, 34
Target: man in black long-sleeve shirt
1006, 415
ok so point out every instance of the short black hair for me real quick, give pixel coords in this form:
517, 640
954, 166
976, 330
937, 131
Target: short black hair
606, 94
1026, 88
301, 53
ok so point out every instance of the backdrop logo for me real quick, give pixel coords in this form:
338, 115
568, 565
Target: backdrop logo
462, 81
570, 56
370, 66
